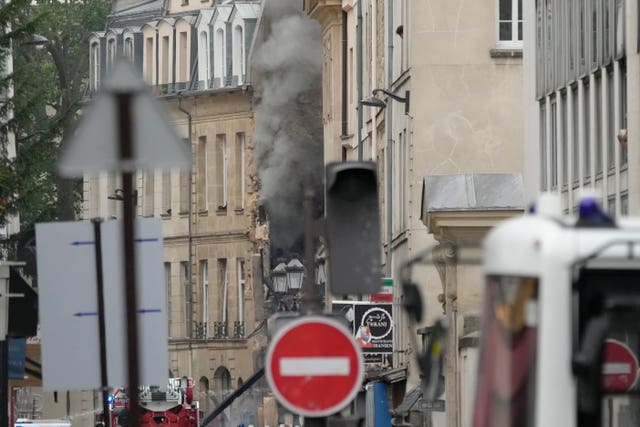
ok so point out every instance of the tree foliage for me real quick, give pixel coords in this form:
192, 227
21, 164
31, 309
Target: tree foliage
50, 81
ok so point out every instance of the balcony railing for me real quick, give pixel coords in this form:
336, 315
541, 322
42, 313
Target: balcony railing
218, 330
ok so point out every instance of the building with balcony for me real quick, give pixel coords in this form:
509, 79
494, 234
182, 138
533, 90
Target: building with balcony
194, 55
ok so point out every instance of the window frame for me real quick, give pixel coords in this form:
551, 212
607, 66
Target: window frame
515, 42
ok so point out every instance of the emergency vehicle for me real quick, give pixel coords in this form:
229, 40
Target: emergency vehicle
172, 405
561, 320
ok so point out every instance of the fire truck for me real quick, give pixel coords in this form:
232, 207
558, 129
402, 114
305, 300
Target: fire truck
172, 405
561, 320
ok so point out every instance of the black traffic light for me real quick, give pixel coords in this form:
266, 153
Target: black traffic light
353, 228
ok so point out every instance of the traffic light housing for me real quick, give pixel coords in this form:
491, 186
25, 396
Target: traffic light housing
353, 227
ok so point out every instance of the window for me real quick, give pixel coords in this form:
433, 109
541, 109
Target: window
148, 60
223, 289
185, 178
400, 180
586, 134
128, 48
241, 286
564, 143
597, 111
203, 184
623, 110
221, 171
219, 56
624, 204
186, 281
205, 74
575, 123
596, 30
111, 54
166, 193
149, 193
611, 139
204, 282
183, 74
167, 281
549, 48
239, 170
554, 145
164, 68
95, 66
238, 54
619, 28
540, 48
543, 146
222, 381
607, 31
510, 24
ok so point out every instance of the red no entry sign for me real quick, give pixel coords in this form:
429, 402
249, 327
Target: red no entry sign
314, 366
619, 367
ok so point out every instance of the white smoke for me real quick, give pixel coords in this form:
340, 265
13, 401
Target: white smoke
288, 117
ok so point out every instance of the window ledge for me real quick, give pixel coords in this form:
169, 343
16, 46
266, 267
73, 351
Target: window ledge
165, 216
221, 212
203, 213
183, 214
239, 211
347, 136
505, 52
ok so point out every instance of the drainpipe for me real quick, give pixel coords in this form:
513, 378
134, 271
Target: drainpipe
189, 289
359, 77
389, 125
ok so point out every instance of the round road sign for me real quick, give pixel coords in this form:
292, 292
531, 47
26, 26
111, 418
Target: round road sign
619, 367
314, 366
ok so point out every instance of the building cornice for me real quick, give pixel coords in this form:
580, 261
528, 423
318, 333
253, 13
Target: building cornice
326, 12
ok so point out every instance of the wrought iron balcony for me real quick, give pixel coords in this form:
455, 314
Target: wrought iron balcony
220, 330
238, 329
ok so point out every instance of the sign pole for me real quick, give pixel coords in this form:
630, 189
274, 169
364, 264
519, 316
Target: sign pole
106, 417
126, 156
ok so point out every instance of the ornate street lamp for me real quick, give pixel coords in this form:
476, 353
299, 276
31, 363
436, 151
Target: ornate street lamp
279, 275
295, 273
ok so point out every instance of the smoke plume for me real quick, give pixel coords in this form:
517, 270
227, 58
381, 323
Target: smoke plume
288, 116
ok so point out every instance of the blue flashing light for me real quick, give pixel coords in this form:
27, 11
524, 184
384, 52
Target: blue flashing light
110, 399
590, 214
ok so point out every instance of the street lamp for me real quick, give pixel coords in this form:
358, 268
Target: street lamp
373, 101
279, 275
295, 274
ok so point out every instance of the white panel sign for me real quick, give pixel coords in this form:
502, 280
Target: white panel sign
68, 304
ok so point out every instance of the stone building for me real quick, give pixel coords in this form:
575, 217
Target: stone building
580, 63
194, 56
449, 119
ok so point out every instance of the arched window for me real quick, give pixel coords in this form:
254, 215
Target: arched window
238, 54
128, 48
222, 380
219, 56
111, 53
205, 74
95, 65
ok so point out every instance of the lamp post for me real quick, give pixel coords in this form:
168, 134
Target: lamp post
295, 274
279, 275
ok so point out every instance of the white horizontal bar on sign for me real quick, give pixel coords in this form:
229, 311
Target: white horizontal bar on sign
616, 368
314, 366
